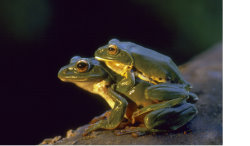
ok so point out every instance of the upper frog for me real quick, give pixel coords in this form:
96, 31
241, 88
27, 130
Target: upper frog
126, 57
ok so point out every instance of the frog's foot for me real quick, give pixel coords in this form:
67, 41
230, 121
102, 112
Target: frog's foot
86, 132
131, 130
50, 141
89, 130
101, 117
70, 133
146, 131
126, 83
90, 135
125, 123
124, 86
136, 131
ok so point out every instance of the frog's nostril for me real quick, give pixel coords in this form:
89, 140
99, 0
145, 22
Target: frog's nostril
100, 50
63, 71
70, 68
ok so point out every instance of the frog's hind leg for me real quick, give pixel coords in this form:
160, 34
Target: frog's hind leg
153, 107
170, 118
163, 120
169, 91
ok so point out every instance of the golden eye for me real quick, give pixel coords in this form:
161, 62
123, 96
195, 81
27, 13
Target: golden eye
82, 66
112, 49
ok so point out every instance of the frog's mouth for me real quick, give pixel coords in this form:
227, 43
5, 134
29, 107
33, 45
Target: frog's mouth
103, 59
71, 78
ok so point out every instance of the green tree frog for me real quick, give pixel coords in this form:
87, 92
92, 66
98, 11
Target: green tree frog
130, 60
159, 108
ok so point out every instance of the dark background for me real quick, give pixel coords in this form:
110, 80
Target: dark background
37, 37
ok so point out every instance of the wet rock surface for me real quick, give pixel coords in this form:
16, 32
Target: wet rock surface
205, 74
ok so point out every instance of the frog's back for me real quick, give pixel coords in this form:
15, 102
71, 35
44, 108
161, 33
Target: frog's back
154, 65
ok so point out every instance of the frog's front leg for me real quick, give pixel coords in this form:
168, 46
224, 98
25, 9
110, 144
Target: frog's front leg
168, 91
127, 82
115, 116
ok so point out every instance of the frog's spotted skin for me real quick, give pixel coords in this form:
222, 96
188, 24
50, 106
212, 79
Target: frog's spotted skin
143, 102
130, 58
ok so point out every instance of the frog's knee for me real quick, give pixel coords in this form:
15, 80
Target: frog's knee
150, 120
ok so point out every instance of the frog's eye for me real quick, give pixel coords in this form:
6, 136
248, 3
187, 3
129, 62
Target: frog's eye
82, 66
112, 49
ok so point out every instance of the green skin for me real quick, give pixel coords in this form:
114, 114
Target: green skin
164, 106
137, 60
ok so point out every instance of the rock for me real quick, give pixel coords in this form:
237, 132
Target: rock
205, 74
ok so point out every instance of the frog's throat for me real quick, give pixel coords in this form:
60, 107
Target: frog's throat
99, 88
118, 68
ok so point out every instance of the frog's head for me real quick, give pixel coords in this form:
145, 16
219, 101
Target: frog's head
114, 51
82, 70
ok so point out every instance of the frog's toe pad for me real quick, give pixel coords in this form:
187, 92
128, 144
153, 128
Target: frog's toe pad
138, 133
134, 131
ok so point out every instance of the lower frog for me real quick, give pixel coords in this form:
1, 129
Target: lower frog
159, 108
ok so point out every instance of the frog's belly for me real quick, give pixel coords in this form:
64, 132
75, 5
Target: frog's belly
121, 69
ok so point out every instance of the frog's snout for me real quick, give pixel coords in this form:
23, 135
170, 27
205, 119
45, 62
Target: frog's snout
98, 52
63, 72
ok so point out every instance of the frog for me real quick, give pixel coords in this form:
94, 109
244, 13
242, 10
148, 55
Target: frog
87, 74
159, 109
131, 60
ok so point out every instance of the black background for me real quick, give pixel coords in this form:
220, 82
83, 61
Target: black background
35, 104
